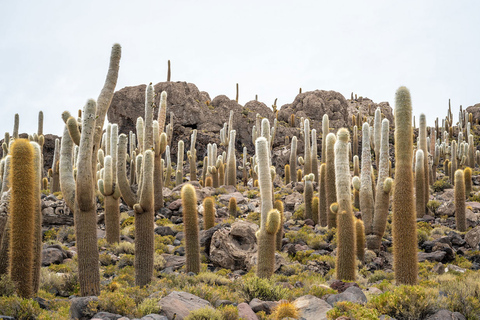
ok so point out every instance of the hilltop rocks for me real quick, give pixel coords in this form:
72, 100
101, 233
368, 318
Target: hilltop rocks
475, 111
313, 105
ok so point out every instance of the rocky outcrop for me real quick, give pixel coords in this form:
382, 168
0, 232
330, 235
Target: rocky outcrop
313, 105
475, 111
365, 107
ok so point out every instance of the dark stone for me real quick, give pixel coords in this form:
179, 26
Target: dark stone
164, 231
341, 286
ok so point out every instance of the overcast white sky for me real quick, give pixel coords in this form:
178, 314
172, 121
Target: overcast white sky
54, 54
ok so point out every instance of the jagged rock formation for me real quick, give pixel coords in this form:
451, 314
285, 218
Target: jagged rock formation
475, 111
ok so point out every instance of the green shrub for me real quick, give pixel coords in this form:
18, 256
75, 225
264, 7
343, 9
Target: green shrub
105, 259
441, 184
205, 313
148, 306
406, 302
19, 308
124, 247
352, 311
115, 302
125, 260
229, 312
433, 205
462, 293
320, 291
7, 287
263, 289
379, 275
128, 222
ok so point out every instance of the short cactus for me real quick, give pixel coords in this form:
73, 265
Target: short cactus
208, 212
460, 218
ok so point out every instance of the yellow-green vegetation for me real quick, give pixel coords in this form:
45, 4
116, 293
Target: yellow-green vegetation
352, 311
406, 302
205, 313
433, 205
441, 184
285, 309
263, 289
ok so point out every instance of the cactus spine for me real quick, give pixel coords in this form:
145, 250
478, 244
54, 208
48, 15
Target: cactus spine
231, 161
208, 213
232, 207
331, 194
190, 225
460, 219
279, 236
468, 181
308, 196
325, 130
180, 154
419, 184
270, 219
404, 217
307, 168
360, 240
422, 135
23, 206
345, 265
323, 213
366, 191
293, 160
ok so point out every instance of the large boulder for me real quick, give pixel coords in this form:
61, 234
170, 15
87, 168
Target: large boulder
475, 111
181, 303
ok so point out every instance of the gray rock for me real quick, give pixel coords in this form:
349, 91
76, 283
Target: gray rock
181, 304
153, 316
164, 231
446, 315
292, 199
52, 256
312, 308
106, 316
230, 247
225, 198
446, 208
174, 262
472, 237
245, 312
352, 294
258, 305
455, 268
79, 308
432, 256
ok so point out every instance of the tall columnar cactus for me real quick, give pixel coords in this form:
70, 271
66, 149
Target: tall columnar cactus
377, 129
331, 194
279, 236
375, 232
422, 135
55, 170
325, 131
109, 188
471, 152
453, 160
208, 213
93, 118
360, 239
308, 196
460, 218
190, 228
366, 191
231, 161
404, 217
345, 264
287, 174
168, 171
419, 184
270, 219
323, 213
315, 210
23, 208
293, 160
314, 156
307, 168
15, 126
160, 145
355, 141
192, 156
179, 172
37, 249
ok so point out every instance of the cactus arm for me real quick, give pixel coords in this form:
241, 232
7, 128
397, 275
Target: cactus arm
67, 181
127, 194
